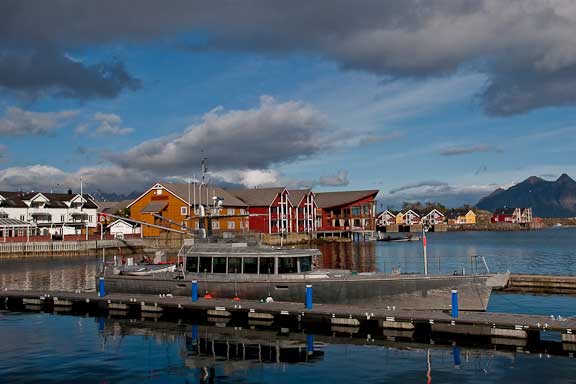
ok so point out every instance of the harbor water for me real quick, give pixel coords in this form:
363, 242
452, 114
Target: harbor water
48, 347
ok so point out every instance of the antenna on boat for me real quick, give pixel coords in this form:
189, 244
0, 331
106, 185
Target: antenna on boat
424, 249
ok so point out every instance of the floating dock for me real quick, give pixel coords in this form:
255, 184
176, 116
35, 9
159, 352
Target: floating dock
495, 325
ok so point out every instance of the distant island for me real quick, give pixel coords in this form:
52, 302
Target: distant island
546, 198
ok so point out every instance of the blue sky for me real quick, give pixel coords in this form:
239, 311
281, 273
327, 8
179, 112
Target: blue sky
408, 101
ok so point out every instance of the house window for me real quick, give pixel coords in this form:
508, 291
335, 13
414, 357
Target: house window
62, 218
355, 211
241, 224
184, 211
215, 224
197, 226
158, 191
230, 211
90, 218
231, 225
102, 218
242, 211
22, 218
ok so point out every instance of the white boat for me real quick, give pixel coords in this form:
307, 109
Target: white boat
146, 269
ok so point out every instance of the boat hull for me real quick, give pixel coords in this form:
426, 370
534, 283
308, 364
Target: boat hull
401, 292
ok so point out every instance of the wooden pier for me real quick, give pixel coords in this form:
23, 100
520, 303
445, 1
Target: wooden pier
541, 284
494, 325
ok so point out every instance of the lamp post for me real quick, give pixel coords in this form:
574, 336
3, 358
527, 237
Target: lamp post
101, 230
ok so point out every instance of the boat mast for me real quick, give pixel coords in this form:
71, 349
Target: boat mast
424, 248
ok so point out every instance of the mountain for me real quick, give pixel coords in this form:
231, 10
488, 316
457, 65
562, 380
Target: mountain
547, 198
111, 196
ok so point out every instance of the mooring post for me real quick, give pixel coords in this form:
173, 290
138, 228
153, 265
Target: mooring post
195, 332
194, 290
454, 303
308, 296
310, 344
456, 353
101, 291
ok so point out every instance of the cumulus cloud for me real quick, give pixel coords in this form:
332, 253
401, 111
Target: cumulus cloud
338, 180
45, 178
272, 133
39, 70
525, 47
458, 150
18, 122
104, 124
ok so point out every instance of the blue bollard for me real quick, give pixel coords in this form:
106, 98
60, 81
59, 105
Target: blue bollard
454, 303
308, 296
101, 291
456, 353
194, 290
195, 336
101, 324
310, 344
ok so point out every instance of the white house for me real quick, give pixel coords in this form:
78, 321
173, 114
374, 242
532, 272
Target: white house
433, 217
411, 217
66, 213
121, 228
387, 217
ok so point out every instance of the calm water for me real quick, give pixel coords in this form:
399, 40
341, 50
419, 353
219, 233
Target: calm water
59, 348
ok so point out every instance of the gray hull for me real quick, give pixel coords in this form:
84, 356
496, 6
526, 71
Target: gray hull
402, 292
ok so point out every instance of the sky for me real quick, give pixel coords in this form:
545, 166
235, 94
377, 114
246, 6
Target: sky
437, 100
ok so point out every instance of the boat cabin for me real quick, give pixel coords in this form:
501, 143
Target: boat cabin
248, 260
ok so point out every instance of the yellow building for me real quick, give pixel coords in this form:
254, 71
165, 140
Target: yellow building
188, 207
461, 217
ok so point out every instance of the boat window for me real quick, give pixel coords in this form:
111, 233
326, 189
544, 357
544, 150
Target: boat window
234, 265
192, 264
266, 265
306, 264
287, 265
250, 265
219, 265
205, 264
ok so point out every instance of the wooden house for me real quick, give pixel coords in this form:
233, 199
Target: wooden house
270, 209
346, 211
185, 207
388, 217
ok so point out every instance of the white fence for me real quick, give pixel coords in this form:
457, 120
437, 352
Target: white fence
49, 247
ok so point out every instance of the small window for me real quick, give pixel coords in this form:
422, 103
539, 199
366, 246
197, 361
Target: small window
159, 191
205, 264
230, 211
90, 218
234, 265
266, 265
306, 264
102, 218
183, 211
287, 265
250, 265
197, 226
215, 224
192, 264
62, 218
219, 265
22, 218
231, 225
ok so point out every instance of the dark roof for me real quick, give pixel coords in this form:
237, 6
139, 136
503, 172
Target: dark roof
296, 195
154, 207
335, 199
112, 206
454, 213
181, 189
55, 200
504, 211
261, 197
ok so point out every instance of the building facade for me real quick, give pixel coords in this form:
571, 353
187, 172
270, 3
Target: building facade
51, 213
346, 211
186, 208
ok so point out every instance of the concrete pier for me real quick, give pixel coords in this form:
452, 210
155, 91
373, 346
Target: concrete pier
541, 284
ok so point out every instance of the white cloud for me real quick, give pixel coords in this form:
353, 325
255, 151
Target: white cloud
272, 133
18, 122
104, 124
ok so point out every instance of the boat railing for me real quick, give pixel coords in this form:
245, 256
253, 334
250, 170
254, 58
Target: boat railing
478, 265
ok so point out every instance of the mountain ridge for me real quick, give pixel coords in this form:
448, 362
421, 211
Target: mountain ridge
546, 198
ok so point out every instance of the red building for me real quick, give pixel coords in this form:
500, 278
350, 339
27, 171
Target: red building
304, 211
269, 209
346, 211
